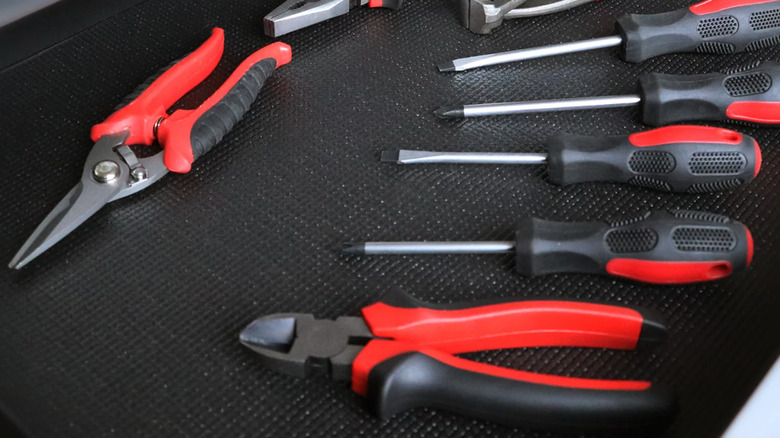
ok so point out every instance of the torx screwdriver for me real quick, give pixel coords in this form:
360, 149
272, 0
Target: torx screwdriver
684, 159
747, 93
663, 247
718, 27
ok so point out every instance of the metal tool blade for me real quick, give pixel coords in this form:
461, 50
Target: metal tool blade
93, 192
76, 207
293, 15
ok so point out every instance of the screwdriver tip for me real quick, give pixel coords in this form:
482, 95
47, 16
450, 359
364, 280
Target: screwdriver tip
353, 248
450, 112
390, 156
447, 66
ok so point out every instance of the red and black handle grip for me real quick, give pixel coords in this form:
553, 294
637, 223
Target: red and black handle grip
683, 159
673, 247
187, 134
749, 94
713, 26
416, 367
417, 379
142, 109
391, 4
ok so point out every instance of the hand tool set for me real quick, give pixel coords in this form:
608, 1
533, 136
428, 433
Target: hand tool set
401, 353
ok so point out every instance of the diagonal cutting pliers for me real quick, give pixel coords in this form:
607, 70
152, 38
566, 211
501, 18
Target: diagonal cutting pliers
112, 170
401, 354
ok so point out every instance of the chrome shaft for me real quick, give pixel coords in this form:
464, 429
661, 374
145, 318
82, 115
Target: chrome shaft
438, 247
420, 157
532, 53
494, 109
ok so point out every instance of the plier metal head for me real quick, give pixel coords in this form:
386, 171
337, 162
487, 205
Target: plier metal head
482, 16
401, 355
113, 170
293, 15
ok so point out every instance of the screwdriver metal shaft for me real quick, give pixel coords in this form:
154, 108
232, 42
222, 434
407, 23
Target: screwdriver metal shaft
471, 62
377, 248
504, 108
424, 157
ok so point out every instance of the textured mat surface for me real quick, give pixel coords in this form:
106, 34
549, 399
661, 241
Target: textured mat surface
129, 326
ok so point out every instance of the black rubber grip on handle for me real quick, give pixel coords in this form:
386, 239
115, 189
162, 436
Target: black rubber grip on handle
218, 120
685, 239
737, 29
674, 167
392, 4
750, 95
414, 380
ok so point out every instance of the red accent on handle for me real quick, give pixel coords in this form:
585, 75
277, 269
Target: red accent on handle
140, 115
374, 3
174, 132
712, 6
749, 237
509, 325
685, 134
669, 272
758, 112
758, 158
377, 351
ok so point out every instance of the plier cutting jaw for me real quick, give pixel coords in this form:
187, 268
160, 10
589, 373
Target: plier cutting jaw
293, 15
482, 16
112, 170
401, 354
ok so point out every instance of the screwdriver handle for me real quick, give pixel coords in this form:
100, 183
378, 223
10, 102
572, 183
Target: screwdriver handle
673, 247
719, 27
692, 159
750, 94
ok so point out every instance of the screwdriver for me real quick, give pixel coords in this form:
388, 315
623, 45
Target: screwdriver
720, 27
662, 247
747, 93
684, 159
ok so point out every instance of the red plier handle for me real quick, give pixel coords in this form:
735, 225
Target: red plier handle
413, 364
187, 134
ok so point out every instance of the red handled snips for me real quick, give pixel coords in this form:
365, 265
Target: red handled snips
401, 354
113, 171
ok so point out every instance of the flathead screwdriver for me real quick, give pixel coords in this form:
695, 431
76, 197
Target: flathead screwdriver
750, 93
718, 27
663, 247
684, 159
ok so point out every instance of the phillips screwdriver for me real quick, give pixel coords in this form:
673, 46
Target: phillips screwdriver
663, 247
718, 27
747, 93
685, 159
